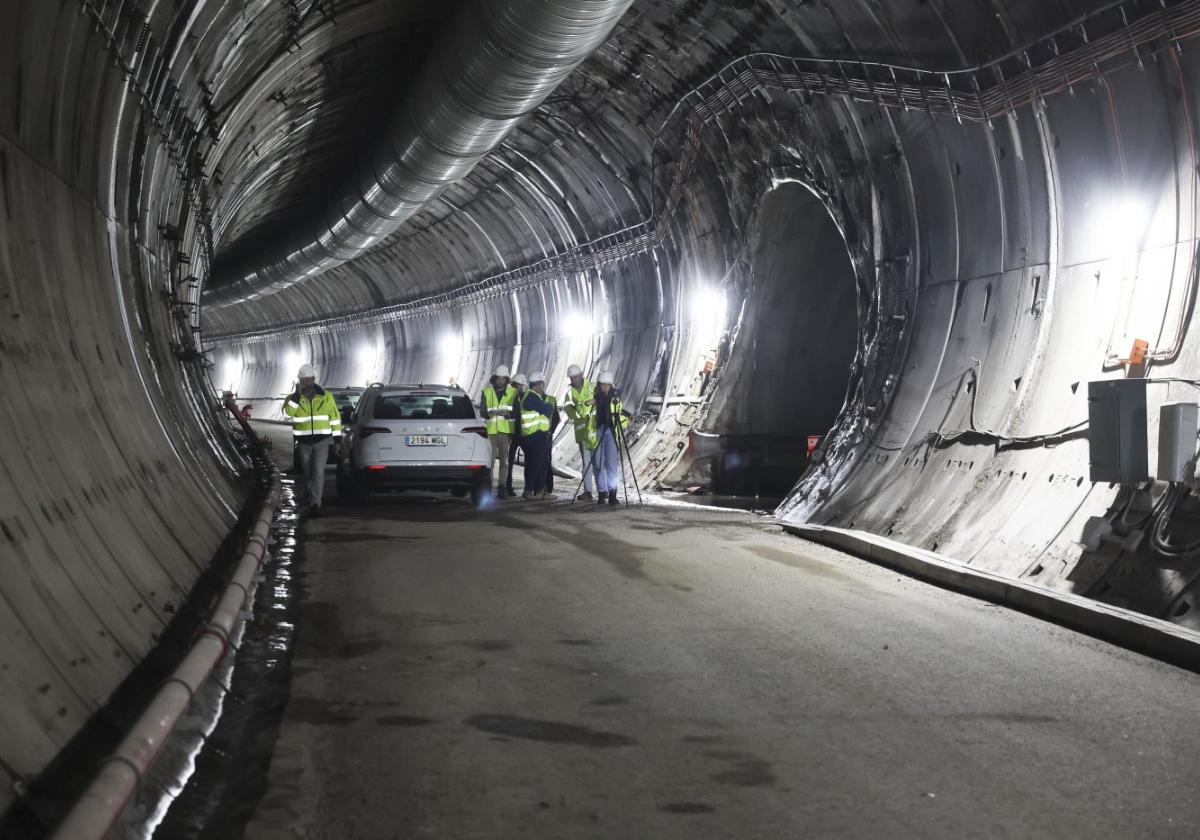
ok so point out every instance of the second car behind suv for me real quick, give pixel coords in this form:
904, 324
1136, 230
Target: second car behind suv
416, 437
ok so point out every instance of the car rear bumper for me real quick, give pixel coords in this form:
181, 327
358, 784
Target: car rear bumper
447, 477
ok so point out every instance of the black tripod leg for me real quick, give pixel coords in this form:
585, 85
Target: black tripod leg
628, 455
617, 437
583, 476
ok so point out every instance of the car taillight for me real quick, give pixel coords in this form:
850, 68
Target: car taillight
479, 430
377, 467
367, 431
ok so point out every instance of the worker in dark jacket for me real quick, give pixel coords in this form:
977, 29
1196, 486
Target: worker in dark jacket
552, 404
521, 383
535, 437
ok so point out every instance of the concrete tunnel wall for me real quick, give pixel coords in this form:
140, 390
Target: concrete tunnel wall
998, 265
117, 485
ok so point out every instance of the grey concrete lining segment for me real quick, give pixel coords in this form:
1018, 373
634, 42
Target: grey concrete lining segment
1153, 636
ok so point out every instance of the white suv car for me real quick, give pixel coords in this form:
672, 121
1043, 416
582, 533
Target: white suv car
416, 437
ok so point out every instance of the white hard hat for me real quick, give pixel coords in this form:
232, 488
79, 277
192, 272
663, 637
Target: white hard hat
502, 370
537, 377
574, 370
521, 379
306, 372
605, 377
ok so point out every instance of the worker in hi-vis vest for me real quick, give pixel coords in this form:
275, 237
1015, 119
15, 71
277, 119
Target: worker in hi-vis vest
316, 425
579, 405
535, 437
606, 436
498, 410
552, 403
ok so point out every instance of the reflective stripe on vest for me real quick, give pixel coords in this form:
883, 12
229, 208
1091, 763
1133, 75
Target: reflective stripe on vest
533, 422
316, 415
497, 424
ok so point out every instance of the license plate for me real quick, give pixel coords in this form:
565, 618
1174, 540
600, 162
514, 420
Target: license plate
424, 440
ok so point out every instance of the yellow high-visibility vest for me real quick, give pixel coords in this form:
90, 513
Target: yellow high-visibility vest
499, 424
318, 415
578, 410
532, 422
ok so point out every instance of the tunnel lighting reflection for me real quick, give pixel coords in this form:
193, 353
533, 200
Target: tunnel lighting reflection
708, 312
1120, 230
577, 325
450, 352
368, 358
450, 344
294, 360
231, 375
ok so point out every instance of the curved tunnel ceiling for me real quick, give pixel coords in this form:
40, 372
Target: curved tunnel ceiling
1012, 226
578, 169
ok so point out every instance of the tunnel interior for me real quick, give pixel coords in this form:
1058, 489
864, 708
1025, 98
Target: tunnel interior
917, 230
787, 373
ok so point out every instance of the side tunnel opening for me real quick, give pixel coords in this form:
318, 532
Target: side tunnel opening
788, 369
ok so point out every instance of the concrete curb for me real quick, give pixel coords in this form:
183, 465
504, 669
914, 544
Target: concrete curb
1144, 634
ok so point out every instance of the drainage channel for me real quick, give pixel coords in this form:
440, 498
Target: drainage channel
45, 801
230, 767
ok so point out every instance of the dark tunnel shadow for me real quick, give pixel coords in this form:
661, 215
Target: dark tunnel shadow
1128, 572
788, 371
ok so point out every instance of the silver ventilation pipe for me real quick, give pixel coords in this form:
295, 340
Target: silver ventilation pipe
500, 60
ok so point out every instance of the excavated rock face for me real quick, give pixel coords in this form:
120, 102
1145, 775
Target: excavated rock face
1007, 231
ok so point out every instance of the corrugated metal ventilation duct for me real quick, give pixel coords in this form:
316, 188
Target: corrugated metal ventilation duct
498, 62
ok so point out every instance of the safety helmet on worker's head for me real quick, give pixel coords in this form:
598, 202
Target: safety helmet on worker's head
521, 379
502, 370
605, 377
574, 370
307, 372
537, 377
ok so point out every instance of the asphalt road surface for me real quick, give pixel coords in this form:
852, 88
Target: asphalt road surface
543, 670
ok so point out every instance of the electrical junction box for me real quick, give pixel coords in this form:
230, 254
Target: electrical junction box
1117, 444
1178, 424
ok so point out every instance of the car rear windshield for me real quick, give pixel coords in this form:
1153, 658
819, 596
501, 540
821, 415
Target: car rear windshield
424, 406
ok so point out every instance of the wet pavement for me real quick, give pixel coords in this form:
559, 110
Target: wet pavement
230, 770
557, 670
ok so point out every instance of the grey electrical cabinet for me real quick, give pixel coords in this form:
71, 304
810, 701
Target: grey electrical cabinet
1117, 445
1178, 424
